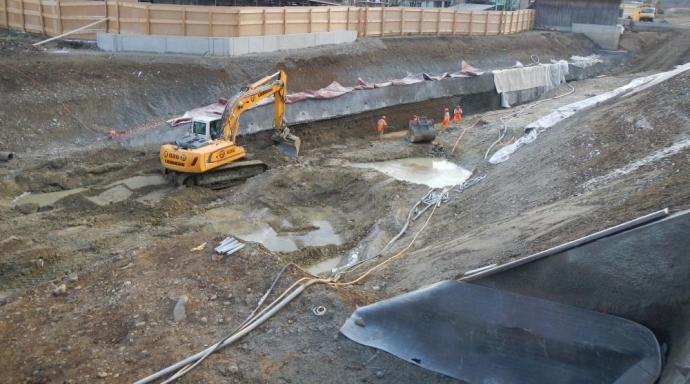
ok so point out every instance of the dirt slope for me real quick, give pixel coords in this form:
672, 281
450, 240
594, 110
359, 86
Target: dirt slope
122, 246
540, 197
659, 51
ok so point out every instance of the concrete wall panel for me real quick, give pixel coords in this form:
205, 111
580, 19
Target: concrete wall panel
219, 46
156, 44
605, 35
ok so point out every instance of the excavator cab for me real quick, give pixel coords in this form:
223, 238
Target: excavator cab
202, 130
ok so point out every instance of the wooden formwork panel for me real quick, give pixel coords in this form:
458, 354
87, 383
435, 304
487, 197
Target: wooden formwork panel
128, 17
297, 20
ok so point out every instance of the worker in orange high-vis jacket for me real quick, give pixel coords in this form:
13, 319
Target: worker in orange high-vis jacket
457, 115
446, 119
380, 127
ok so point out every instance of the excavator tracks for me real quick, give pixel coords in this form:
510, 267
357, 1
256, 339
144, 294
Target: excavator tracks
224, 177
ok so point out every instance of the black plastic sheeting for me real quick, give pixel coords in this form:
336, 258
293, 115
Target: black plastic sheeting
483, 335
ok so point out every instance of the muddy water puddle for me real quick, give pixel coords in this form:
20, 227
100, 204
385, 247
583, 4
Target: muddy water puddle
116, 192
325, 267
254, 226
45, 199
324, 235
436, 173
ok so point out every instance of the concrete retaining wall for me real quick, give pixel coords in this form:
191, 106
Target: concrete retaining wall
219, 46
261, 118
650, 27
607, 36
357, 102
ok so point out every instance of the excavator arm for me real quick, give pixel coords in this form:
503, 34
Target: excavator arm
274, 85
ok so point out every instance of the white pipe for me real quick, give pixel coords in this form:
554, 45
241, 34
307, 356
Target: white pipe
234, 338
569, 245
233, 249
227, 246
70, 32
227, 240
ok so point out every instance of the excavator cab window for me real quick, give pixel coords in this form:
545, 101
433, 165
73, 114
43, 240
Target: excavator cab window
199, 128
216, 128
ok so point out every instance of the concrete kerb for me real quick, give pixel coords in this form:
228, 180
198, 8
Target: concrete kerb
219, 46
650, 27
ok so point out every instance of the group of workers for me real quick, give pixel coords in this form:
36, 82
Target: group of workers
457, 118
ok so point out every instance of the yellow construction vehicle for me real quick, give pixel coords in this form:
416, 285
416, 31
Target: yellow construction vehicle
649, 10
208, 155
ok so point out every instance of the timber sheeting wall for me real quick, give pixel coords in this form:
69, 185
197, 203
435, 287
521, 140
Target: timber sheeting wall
52, 18
563, 13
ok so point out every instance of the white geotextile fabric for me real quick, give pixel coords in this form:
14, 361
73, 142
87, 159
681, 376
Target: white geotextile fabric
525, 83
548, 121
542, 75
585, 61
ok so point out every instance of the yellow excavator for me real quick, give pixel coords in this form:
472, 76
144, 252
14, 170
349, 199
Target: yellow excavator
208, 155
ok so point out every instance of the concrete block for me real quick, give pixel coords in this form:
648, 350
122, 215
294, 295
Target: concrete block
340, 37
324, 38
651, 27
286, 42
270, 43
240, 46
606, 36
220, 46
188, 45
106, 41
309, 40
132, 43
255, 44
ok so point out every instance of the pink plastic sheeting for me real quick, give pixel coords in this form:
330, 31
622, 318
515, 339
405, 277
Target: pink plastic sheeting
209, 110
435, 78
333, 90
467, 71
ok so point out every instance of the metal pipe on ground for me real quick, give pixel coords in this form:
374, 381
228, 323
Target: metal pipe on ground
236, 336
230, 249
227, 246
227, 240
6, 156
224, 244
234, 250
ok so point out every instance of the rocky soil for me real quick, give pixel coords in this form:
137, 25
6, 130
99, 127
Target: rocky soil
90, 277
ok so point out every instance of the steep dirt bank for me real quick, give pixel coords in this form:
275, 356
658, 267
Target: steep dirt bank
660, 51
77, 97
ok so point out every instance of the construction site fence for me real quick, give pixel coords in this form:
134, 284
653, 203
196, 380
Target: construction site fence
54, 18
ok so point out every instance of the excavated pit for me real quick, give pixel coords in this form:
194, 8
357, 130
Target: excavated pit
133, 257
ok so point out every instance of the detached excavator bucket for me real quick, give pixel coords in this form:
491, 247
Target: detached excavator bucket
421, 131
289, 146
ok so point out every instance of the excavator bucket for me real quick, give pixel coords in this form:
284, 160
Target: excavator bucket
421, 131
289, 146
